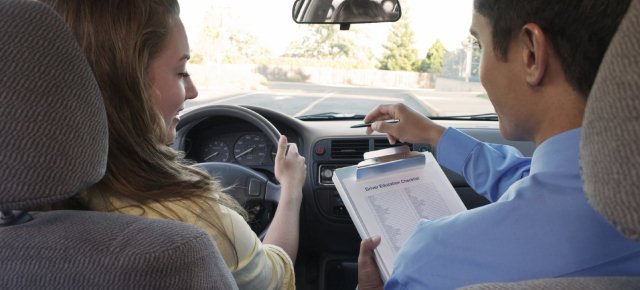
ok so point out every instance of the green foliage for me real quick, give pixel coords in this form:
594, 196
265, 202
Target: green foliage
244, 48
327, 43
454, 62
210, 43
399, 52
457, 65
321, 42
221, 43
434, 61
475, 57
196, 58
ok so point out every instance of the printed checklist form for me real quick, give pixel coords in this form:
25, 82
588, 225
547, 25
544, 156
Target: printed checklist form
390, 199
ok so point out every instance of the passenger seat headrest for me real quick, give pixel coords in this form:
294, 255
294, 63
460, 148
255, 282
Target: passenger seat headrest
610, 147
53, 124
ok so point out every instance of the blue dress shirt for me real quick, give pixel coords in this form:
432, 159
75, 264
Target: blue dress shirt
539, 224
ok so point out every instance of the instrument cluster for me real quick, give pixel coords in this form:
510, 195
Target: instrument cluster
249, 149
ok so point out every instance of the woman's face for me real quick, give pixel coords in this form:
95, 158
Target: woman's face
170, 81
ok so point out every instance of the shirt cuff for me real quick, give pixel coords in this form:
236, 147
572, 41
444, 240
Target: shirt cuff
454, 149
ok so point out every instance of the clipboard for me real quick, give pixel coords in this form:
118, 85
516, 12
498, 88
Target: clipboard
386, 160
389, 192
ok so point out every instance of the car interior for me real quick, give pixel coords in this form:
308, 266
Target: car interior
54, 140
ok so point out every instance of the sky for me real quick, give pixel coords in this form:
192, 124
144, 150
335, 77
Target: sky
271, 22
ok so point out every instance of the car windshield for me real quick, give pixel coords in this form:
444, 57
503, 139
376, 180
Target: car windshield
251, 52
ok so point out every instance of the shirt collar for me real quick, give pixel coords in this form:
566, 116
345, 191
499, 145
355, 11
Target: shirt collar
558, 153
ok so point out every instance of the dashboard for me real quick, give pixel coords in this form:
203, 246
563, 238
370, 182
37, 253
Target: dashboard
249, 148
231, 140
329, 242
245, 149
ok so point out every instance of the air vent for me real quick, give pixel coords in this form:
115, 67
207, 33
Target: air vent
349, 149
379, 144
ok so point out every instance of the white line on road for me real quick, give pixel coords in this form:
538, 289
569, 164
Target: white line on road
232, 98
370, 98
310, 106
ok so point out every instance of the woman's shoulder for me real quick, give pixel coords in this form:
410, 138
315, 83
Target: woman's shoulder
183, 209
98, 200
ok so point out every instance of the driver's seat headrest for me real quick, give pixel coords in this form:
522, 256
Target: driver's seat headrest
53, 124
610, 147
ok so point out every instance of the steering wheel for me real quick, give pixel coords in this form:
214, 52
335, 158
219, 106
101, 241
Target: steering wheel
250, 188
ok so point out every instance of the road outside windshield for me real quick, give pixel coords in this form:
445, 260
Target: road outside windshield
251, 52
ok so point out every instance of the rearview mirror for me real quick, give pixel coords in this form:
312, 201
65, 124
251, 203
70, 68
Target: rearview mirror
345, 11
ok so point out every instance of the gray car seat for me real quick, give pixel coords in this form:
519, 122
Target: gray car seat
53, 143
609, 151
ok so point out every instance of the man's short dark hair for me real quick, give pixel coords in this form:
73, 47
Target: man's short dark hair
358, 10
579, 30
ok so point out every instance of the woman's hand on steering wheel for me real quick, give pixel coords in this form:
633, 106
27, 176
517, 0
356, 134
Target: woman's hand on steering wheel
290, 169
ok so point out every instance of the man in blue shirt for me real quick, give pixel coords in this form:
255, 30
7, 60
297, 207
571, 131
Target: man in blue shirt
539, 60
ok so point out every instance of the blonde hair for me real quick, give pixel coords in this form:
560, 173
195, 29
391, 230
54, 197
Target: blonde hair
119, 39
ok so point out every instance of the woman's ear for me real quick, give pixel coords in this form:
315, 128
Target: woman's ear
534, 53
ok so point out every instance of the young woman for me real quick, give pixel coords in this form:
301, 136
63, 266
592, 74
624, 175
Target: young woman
138, 51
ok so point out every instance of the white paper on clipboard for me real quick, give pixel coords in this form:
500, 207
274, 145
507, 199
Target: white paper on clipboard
389, 192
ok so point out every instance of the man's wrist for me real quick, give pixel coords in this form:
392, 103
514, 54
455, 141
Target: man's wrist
435, 133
